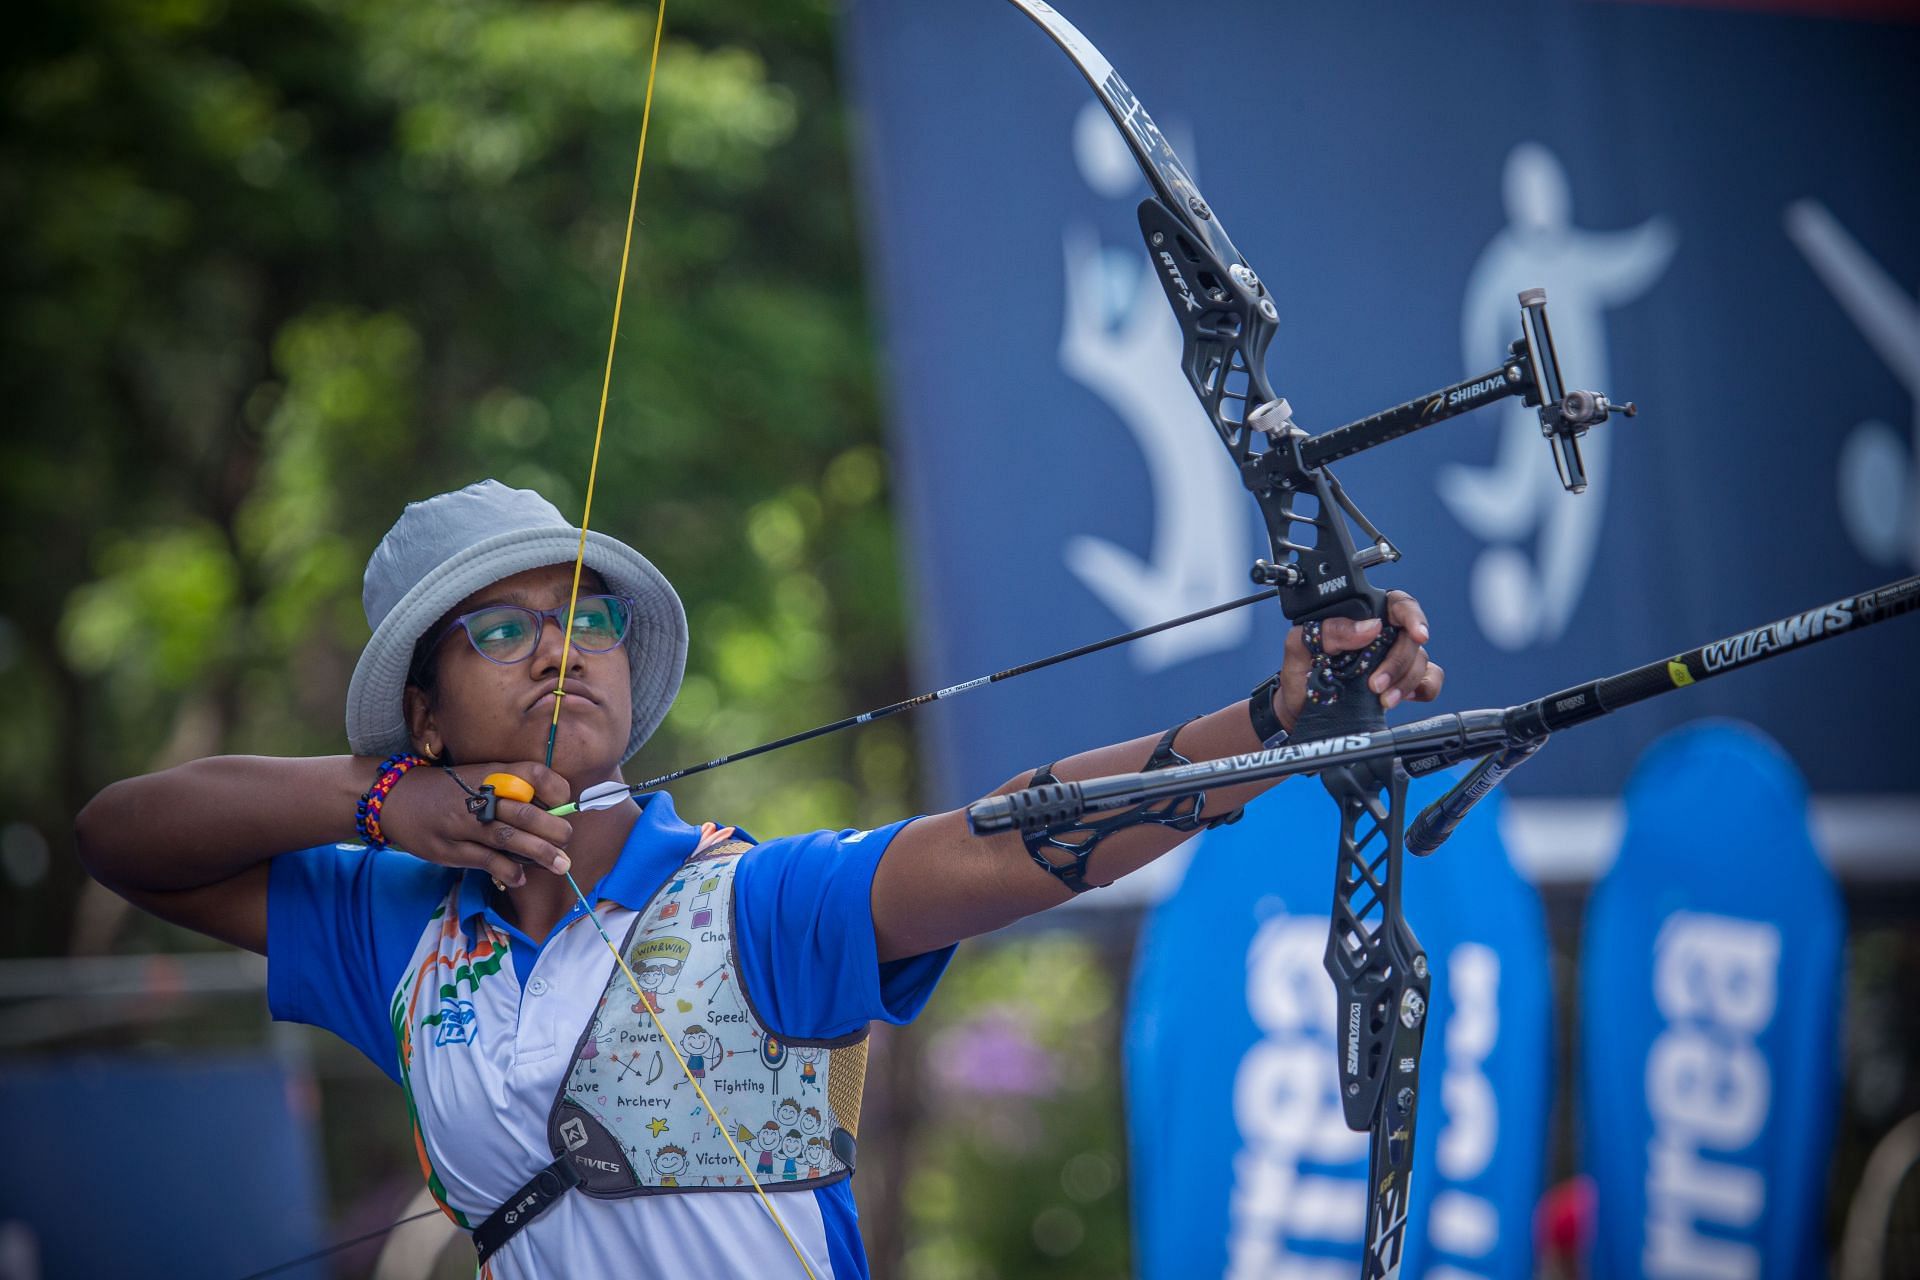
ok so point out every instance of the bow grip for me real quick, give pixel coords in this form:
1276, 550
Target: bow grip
1338, 699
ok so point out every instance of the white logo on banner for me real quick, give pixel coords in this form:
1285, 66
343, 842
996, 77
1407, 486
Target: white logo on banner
1461, 1223
1286, 1106
1715, 982
1879, 477
1520, 599
1119, 340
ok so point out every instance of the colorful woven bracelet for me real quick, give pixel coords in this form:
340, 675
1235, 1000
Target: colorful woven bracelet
367, 816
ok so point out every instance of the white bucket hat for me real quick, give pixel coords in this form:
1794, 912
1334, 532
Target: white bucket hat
442, 550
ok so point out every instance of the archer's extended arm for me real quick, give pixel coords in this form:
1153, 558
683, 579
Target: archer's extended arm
939, 884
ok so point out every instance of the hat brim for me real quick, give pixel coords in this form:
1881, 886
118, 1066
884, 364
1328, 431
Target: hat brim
656, 640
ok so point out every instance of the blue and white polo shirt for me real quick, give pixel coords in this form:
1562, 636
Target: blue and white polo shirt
345, 922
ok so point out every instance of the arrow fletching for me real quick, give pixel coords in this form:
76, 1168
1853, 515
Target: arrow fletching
601, 795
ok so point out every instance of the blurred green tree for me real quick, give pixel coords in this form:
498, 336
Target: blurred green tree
274, 269
1022, 1168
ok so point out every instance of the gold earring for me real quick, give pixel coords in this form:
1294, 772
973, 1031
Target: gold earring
431, 752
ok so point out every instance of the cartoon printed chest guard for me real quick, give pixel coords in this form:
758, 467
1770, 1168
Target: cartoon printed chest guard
627, 1114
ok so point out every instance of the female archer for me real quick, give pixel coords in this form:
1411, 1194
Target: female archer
430, 909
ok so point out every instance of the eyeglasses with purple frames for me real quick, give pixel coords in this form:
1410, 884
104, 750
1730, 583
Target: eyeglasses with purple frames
509, 633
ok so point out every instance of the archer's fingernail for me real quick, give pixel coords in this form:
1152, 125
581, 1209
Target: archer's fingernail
1379, 682
562, 864
1370, 627
1391, 700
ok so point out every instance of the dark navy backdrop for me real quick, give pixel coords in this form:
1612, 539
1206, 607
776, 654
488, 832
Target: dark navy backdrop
1718, 202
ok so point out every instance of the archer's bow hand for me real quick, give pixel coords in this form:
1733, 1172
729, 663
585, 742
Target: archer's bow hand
1405, 674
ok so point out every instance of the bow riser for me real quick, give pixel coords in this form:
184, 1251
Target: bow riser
1381, 985
1226, 323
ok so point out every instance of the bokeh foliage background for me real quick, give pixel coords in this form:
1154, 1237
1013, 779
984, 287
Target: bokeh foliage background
272, 269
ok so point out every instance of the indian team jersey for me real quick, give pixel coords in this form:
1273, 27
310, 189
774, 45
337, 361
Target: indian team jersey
494, 1037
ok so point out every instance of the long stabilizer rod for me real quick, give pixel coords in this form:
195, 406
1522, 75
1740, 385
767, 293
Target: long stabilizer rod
1597, 698
1445, 740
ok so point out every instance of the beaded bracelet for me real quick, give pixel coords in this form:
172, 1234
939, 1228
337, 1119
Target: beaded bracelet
367, 815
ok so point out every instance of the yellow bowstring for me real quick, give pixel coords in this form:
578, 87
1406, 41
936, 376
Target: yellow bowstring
566, 645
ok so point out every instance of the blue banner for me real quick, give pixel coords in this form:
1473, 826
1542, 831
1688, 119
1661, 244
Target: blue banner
1735, 257
157, 1167
1711, 989
1487, 1068
1242, 1161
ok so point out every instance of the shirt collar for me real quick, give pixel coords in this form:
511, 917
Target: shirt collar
658, 843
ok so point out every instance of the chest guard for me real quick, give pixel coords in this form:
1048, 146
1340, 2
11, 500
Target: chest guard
627, 1115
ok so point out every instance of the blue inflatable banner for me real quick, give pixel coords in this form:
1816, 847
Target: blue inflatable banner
1705, 191
1711, 989
145, 1166
1242, 1162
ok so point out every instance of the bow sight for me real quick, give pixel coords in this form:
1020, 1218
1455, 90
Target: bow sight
1226, 322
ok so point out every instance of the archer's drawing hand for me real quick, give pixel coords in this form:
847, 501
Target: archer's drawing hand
427, 816
1405, 674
